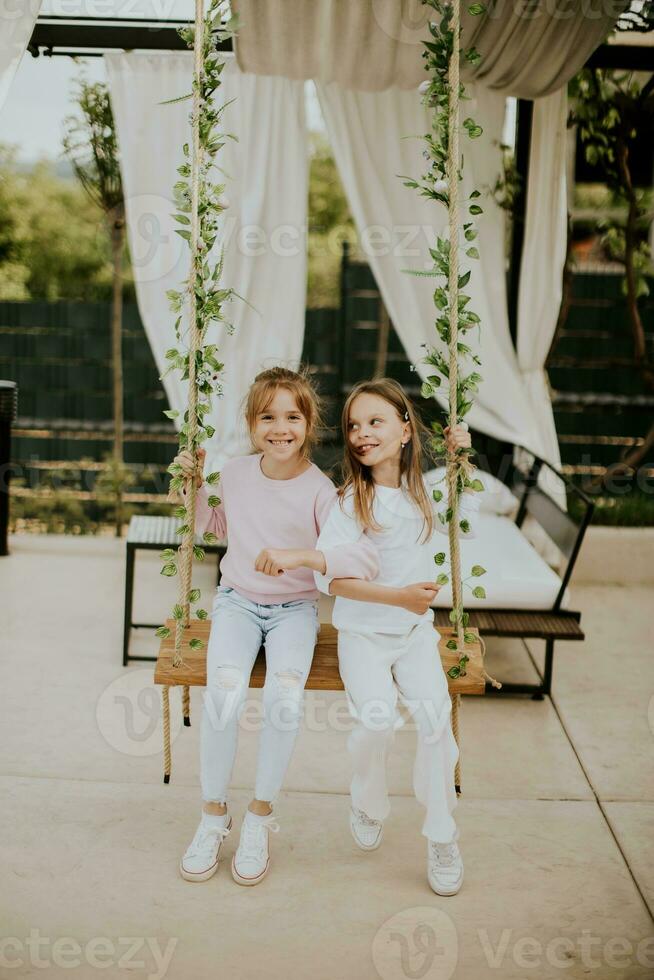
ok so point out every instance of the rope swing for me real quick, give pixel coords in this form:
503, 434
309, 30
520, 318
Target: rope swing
199, 203
443, 92
452, 465
182, 653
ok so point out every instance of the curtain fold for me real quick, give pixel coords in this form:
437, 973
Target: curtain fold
529, 49
543, 259
263, 230
17, 26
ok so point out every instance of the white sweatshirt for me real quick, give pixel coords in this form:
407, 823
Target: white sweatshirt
403, 557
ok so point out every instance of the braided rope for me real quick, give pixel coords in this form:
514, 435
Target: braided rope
165, 694
456, 701
186, 547
452, 464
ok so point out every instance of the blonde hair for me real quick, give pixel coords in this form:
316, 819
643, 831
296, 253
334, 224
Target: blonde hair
358, 476
262, 392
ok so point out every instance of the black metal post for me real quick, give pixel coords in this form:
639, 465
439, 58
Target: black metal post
522, 146
8, 404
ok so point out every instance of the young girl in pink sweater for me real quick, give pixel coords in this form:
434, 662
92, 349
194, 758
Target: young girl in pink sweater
276, 498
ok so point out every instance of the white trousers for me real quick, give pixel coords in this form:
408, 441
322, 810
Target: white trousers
376, 668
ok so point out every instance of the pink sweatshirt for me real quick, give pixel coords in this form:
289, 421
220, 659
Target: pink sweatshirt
256, 512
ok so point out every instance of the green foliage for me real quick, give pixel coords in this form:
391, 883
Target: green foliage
434, 185
53, 238
330, 223
110, 486
202, 300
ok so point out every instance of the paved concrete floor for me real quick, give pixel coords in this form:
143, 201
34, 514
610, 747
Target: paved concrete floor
556, 816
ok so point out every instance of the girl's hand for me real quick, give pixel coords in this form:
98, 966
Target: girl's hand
418, 597
185, 460
459, 438
275, 561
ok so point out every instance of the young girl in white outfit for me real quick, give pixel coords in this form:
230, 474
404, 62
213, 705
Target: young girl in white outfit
387, 643
267, 500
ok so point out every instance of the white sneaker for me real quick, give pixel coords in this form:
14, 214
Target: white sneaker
252, 859
201, 858
444, 867
366, 832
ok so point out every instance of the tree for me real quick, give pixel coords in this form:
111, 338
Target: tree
609, 107
91, 145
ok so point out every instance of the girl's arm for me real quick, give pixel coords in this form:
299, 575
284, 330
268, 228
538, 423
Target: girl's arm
417, 597
343, 551
209, 517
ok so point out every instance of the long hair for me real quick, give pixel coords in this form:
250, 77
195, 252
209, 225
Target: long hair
358, 476
262, 392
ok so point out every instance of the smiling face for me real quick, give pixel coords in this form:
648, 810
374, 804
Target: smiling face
280, 428
375, 431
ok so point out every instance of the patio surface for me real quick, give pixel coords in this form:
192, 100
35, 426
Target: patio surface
556, 816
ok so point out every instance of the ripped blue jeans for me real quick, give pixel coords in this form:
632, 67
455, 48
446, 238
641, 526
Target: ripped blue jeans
239, 628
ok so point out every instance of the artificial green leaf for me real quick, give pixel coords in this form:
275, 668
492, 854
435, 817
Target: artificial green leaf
477, 570
194, 595
479, 592
163, 632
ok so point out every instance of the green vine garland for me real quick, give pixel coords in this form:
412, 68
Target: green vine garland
435, 185
196, 192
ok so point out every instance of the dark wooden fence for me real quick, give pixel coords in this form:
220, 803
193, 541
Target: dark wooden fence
59, 354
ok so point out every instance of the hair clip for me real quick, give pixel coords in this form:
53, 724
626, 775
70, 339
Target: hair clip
406, 416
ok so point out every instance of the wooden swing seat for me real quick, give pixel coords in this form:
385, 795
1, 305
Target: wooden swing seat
324, 674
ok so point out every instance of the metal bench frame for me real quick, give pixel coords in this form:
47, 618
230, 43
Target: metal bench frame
555, 623
152, 534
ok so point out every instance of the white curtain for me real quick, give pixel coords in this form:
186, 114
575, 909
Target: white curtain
527, 49
543, 259
17, 26
396, 227
263, 229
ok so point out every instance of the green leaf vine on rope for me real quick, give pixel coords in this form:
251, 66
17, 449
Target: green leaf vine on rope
434, 184
200, 203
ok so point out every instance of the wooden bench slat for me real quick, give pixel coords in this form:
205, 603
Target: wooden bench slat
324, 673
539, 624
162, 531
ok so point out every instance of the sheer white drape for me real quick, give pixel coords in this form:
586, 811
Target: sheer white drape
543, 259
527, 49
16, 26
368, 134
263, 230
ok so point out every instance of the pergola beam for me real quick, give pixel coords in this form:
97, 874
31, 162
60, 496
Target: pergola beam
89, 36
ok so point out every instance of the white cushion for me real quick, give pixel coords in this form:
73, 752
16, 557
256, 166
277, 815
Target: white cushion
516, 575
495, 498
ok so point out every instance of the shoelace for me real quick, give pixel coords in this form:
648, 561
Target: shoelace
253, 837
365, 819
443, 855
205, 840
